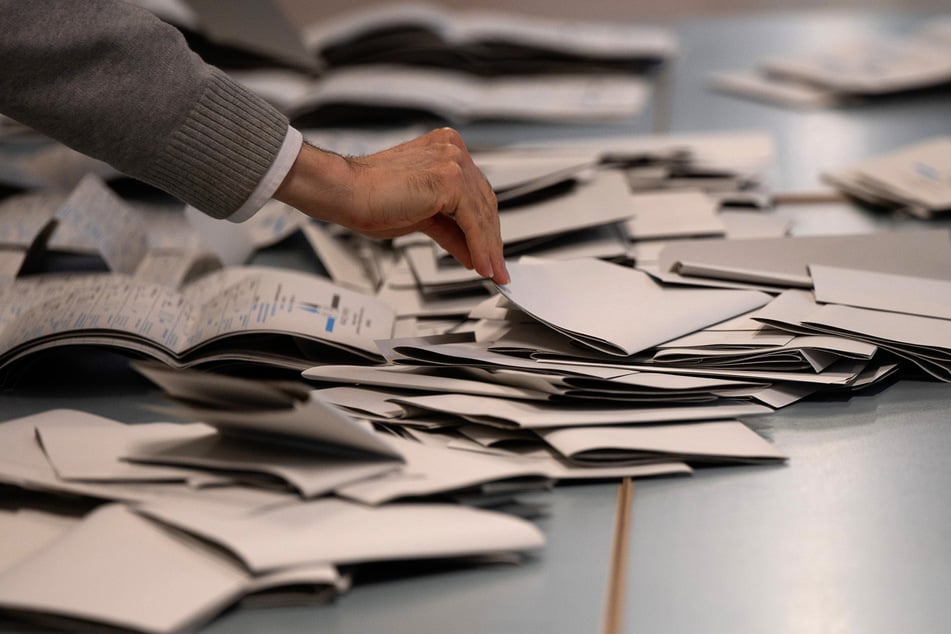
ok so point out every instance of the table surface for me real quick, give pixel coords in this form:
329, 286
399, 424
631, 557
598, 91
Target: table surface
852, 535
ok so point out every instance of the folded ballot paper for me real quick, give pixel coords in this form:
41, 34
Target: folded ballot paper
268, 413
918, 331
915, 179
614, 309
861, 68
784, 262
184, 542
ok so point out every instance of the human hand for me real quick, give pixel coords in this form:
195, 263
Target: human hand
429, 184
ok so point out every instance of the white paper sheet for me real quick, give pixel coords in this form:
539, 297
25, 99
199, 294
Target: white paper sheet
124, 570
532, 415
882, 291
615, 309
342, 532
714, 441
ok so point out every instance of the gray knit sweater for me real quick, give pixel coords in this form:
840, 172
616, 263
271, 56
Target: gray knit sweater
110, 80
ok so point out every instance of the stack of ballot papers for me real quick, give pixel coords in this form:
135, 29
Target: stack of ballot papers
568, 358
384, 92
415, 35
617, 200
279, 498
413, 61
914, 179
484, 42
848, 71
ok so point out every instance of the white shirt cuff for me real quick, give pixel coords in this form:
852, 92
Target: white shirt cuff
273, 178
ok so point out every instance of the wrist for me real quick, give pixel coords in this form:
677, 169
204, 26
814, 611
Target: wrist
320, 184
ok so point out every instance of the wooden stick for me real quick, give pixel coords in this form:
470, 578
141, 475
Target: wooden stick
808, 198
617, 575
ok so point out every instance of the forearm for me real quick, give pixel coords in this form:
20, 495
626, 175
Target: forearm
112, 81
321, 184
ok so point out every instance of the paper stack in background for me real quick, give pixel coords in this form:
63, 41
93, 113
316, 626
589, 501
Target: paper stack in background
914, 179
409, 61
861, 69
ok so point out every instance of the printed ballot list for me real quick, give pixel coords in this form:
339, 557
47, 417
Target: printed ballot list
176, 326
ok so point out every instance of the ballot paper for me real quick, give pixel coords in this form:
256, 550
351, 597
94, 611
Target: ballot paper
50, 166
614, 309
341, 532
916, 178
867, 67
435, 273
291, 316
124, 570
513, 175
314, 583
718, 441
882, 291
676, 213
304, 423
543, 458
508, 413
63, 431
412, 302
11, 261
24, 218
434, 470
94, 219
605, 199
808, 353
784, 262
780, 90
454, 96
480, 29
870, 66
733, 151
27, 531
365, 402
925, 341
409, 378
345, 266
310, 473
24, 464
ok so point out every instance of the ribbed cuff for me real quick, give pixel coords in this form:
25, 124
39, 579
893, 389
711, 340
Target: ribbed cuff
223, 149
275, 176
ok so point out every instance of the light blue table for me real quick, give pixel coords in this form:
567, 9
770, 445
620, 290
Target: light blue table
853, 535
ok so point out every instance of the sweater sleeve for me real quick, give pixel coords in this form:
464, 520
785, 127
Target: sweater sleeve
112, 81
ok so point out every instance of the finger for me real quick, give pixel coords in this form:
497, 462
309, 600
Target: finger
480, 221
447, 233
495, 233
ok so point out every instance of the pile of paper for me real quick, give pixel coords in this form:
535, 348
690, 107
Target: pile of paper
563, 365
915, 179
849, 307
656, 308
397, 61
278, 498
839, 73
618, 200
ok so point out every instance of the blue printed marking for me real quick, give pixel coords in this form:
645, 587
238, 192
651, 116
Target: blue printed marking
927, 171
330, 324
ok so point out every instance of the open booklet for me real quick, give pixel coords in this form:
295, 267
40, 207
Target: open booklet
252, 315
